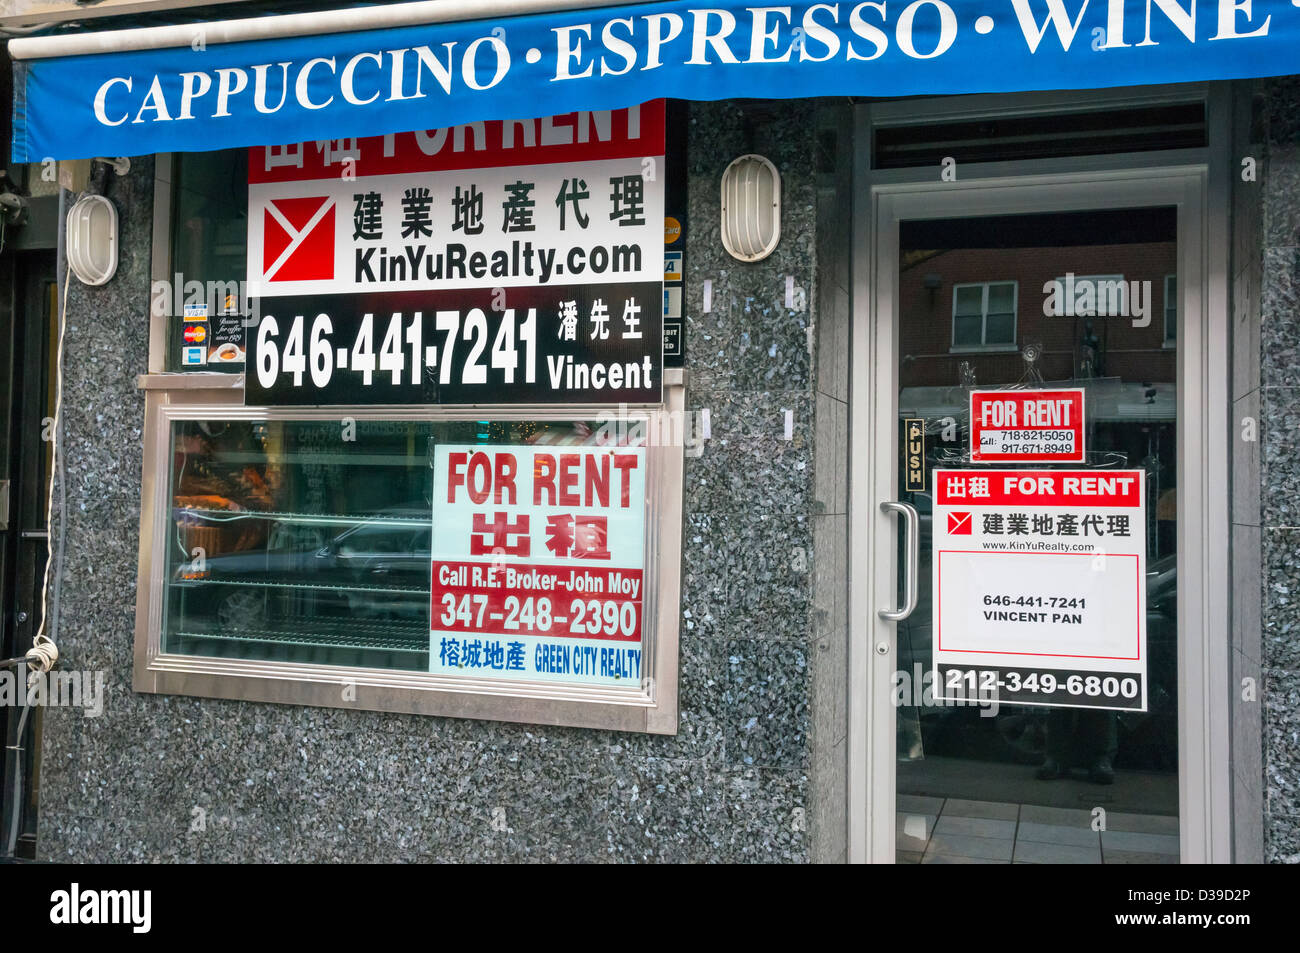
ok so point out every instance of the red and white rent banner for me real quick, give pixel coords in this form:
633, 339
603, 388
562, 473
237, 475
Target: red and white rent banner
538, 563
1039, 582
501, 204
1027, 426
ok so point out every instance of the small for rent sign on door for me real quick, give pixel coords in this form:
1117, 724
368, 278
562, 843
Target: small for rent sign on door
1012, 427
1040, 587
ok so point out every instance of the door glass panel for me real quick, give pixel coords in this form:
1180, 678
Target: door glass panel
970, 299
981, 781
966, 329
1002, 298
1002, 328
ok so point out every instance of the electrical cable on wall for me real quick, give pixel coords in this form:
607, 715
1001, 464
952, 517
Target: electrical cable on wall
44, 653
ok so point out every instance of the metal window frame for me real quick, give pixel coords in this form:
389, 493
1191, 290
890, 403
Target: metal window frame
1198, 181
1166, 340
171, 397
651, 708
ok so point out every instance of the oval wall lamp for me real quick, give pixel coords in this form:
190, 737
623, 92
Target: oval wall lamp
751, 208
92, 239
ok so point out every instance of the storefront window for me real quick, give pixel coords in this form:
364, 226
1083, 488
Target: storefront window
492, 549
435, 560
209, 252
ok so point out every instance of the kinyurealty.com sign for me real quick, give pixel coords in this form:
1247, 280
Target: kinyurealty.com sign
204, 94
516, 261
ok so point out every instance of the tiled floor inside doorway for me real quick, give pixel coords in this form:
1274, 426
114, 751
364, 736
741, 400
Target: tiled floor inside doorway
936, 830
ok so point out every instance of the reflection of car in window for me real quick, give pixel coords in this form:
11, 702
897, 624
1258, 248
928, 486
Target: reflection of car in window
377, 568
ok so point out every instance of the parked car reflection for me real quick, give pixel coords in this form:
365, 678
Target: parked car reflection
376, 568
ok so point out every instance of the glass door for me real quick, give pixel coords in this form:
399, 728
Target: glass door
1034, 681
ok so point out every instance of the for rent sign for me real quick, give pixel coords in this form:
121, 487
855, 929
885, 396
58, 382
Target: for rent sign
496, 262
538, 563
1040, 587
1023, 426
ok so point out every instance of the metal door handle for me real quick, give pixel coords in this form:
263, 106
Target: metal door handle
912, 545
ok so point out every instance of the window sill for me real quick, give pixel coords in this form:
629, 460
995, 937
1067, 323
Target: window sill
213, 380
190, 380
985, 349
636, 709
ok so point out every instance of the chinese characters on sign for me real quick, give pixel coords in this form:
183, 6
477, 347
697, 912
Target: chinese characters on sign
538, 560
1040, 587
497, 262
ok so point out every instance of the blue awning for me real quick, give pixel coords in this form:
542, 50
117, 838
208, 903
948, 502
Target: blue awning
214, 95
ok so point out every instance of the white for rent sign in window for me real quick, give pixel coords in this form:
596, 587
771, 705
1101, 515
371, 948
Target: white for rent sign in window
538, 563
1040, 587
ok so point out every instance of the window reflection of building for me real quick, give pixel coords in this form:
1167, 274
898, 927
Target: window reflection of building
1120, 351
934, 342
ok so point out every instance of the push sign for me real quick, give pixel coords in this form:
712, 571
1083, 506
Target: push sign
1026, 426
915, 436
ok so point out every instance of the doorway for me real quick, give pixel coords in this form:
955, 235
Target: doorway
28, 323
1061, 778
955, 296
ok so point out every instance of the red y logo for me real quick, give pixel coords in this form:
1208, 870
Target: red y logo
298, 239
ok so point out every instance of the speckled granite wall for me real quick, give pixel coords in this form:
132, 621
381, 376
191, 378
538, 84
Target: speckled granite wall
292, 783
1279, 400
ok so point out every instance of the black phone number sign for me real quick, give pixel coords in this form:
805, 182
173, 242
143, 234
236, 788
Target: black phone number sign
582, 344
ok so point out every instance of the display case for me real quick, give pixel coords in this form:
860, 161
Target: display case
287, 555
308, 541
